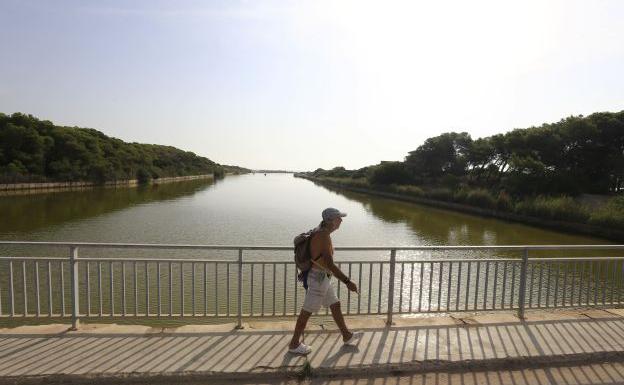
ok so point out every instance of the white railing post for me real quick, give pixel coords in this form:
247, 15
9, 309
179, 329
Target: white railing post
239, 324
75, 294
391, 287
522, 285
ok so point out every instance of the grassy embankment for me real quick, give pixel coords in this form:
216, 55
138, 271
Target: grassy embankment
561, 212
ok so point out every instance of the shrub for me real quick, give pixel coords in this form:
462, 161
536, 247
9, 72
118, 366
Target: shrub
504, 202
357, 182
441, 194
349, 182
481, 198
461, 195
607, 218
562, 208
388, 173
450, 181
616, 203
410, 190
611, 215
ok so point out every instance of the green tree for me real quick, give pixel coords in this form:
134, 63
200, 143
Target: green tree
446, 153
37, 149
389, 173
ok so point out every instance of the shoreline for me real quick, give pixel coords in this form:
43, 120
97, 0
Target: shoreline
569, 227
26, 188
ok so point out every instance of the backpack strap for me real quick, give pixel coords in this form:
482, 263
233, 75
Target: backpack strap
315, 231
308, 245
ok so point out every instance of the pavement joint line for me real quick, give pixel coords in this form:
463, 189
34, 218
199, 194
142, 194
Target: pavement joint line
282, 372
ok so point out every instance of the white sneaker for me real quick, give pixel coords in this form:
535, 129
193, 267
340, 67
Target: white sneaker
302, 349
354, 338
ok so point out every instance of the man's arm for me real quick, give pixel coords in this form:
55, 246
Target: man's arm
327, 261
340, 275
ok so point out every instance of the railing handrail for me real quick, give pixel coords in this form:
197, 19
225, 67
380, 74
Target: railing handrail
345, 248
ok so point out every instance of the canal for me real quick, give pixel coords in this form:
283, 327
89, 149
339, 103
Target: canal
250, 209
270, 210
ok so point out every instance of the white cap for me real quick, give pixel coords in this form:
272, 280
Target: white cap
331, 213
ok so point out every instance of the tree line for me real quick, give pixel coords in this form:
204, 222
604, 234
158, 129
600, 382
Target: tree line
33, 150
575, 155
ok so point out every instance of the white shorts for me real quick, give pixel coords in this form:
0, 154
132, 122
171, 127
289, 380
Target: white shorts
319, 293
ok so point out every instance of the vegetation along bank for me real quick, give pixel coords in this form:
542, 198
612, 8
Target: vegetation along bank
566, 175
37, 151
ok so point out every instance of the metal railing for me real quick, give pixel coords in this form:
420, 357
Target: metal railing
96, 287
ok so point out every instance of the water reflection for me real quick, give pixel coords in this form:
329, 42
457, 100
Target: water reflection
26, 213
443, 227
255, 210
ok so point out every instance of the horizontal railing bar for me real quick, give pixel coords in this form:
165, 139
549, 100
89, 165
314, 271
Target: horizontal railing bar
145, 246
256, 315
353, 248
455, 260
580, 259
583, 305
164, 260
267, 262
292, 262
41, 316
161, 260
32, 259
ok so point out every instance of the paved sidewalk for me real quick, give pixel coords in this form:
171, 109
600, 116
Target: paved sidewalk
102, 352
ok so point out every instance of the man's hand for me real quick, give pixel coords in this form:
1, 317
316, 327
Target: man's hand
352, 286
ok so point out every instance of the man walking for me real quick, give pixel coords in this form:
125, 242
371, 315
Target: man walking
320, 292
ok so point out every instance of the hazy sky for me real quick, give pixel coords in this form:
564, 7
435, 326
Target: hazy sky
306, 84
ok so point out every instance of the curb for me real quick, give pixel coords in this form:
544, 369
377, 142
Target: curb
293, 372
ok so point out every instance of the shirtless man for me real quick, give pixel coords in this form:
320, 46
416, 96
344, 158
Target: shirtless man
320, 292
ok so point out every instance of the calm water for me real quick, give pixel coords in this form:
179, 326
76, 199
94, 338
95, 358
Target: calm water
250, 210
257, 210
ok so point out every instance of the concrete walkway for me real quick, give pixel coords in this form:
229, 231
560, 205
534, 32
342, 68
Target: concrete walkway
99, 353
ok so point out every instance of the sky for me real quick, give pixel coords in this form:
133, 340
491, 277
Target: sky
299, 85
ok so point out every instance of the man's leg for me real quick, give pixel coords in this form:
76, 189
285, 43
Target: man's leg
339, 319
302, 321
